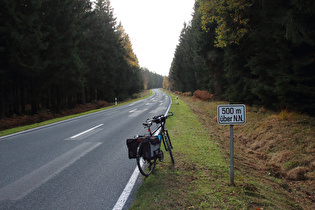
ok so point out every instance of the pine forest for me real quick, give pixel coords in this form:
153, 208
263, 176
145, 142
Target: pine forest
59, 53
56, 54
258, 52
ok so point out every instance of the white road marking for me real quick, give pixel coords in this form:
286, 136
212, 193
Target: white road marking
136, 113
72, 137
132, 110
158, 110
110, 113
30, 182
126, 192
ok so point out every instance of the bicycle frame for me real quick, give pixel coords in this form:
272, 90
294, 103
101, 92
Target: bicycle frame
163, 136
161, 126
162, 132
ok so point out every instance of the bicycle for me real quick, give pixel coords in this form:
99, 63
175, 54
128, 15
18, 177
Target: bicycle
146, 148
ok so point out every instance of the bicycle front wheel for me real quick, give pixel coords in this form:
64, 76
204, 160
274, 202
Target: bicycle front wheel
168, 146
146, 167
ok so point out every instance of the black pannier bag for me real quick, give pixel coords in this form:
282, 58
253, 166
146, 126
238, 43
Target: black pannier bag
151, 147
132, 145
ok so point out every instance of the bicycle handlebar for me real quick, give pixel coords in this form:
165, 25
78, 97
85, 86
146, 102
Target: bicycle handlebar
159, 119
170, 114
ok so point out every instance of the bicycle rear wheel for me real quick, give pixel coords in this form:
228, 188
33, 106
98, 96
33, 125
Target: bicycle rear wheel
168, 146
146, 167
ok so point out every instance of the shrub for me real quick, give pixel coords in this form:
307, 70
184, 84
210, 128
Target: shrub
178, 93
187, 94
136, 95
101, 104
203, 95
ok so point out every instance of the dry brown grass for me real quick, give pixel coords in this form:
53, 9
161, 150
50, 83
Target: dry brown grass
276, 145
44, 115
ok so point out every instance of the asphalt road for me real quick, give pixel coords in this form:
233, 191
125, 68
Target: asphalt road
80, 163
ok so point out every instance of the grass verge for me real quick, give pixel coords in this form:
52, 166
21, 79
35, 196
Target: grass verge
200, 178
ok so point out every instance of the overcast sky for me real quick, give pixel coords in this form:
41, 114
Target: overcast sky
154, 27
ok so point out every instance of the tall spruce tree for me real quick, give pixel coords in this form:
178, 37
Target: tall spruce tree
182, 72
256, 52
64, 70
128, 79
296, 88
22, 42
55, 54
198, 64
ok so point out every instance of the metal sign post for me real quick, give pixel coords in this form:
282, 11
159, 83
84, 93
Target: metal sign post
231, 156
231, 114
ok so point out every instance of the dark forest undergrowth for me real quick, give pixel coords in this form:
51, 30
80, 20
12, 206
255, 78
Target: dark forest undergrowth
17, 122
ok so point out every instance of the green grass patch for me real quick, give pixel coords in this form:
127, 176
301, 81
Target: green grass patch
200, 178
